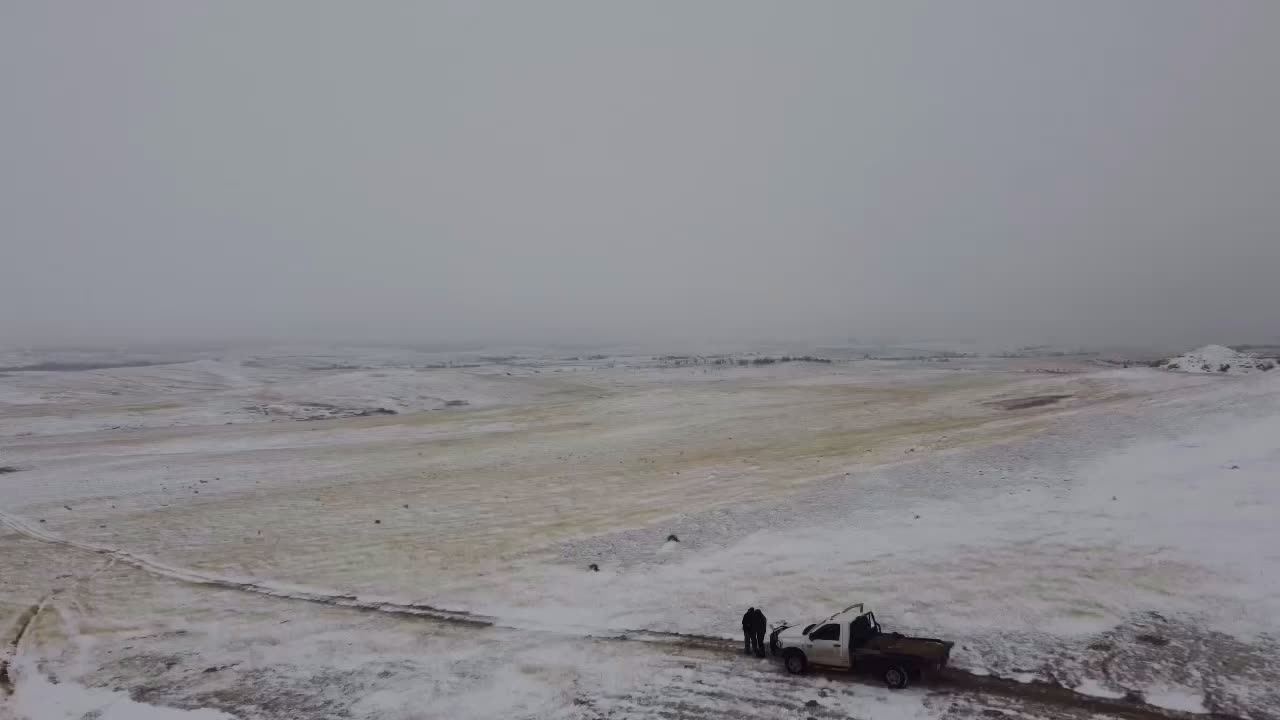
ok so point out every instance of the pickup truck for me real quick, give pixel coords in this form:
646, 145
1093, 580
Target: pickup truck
852, 640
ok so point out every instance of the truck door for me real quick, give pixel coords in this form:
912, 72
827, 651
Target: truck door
825, 647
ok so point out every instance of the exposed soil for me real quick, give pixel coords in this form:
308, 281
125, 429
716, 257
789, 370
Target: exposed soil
24, 622
1025, 403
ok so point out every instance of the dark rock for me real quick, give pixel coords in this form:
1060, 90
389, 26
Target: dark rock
377, 522
8, 469
455, 403
811, 704
1150, 639
593, 567
672, 538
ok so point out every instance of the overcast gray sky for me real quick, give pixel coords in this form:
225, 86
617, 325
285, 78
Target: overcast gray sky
1081, 171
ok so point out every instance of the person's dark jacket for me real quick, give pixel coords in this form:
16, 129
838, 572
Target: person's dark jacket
749, 620
761, 623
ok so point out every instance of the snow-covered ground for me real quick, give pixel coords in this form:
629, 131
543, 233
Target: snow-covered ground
1106, 530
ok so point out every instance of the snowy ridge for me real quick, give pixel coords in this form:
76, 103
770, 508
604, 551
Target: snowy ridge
1217, 359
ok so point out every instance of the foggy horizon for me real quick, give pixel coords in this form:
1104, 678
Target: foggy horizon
455, 172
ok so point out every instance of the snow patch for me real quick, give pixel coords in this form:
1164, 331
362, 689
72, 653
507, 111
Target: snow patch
37, 698
1093, 688
1173, 698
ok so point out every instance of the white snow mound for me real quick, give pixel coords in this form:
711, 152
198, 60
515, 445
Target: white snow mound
1218, 359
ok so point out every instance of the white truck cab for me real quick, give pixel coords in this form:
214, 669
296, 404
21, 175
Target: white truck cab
852, 639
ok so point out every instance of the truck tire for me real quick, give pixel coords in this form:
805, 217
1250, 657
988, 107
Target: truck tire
896, 677
795, 662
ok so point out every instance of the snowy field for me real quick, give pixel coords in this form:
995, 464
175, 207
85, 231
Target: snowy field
396, 534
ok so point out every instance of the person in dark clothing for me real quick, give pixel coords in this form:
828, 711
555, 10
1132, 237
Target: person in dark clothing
761, 626
748, 629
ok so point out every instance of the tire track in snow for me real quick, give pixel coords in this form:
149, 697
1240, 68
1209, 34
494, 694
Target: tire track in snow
953, 679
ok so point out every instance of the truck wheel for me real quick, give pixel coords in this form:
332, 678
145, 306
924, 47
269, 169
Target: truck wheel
896, 677
795, 661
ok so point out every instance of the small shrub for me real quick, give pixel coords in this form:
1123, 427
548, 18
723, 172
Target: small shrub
1173, 366
1224, 367
1206, 367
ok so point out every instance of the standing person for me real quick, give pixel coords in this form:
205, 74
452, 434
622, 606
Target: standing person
748, 629
762, 626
